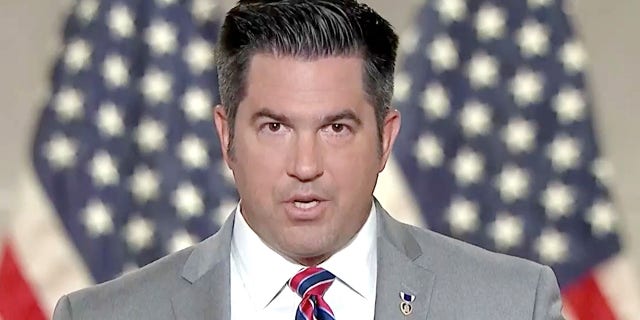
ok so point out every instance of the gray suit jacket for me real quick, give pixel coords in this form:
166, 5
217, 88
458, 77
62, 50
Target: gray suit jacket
449, 279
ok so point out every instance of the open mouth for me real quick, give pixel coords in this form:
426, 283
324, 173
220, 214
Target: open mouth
306, 204
305, 207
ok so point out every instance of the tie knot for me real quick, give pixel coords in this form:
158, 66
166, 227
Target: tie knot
311, 281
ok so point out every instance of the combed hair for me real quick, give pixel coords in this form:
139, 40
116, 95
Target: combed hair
306, 29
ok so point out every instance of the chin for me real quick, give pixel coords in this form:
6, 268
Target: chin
311, 259
313, 252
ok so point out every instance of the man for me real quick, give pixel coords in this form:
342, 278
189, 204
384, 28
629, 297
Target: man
305, 125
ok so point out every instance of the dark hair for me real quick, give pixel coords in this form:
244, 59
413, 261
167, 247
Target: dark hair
306, 29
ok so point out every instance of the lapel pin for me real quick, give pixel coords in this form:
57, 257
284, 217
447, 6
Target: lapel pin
405, 306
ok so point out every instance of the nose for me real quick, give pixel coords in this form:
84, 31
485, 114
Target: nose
305, 161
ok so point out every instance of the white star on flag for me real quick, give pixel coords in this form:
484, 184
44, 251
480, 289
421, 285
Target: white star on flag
86, 10
103, 169
506, 231
78, 55
60, 152
527, 87
463, 216
409, 39
69, 104
490, 22
193, 152
475, 119
564, 152
468, 167
602, 218
150, 135
573, 56
603, 171
139, 233
443, 53
97, 219
187, 200
519, 135
552, 247
144, 184
161, 37
109, 120
451, 10
533, 39
180, 240
435, 101
203, 10
115, 71
558, 200
198, 55
402, 87
482, 70
120, 22
197, 105
570, 105
428, 151
512, 183
156, 86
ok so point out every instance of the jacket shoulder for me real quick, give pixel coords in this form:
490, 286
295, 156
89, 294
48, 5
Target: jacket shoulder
145, 291
444, 253
484, 284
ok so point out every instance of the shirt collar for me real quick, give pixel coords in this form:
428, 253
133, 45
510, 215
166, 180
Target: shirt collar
263, 271
355, 265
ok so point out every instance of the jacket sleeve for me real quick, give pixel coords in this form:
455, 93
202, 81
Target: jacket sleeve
63, 309
548, 303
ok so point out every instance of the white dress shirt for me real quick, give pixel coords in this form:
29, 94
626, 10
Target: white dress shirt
259, 276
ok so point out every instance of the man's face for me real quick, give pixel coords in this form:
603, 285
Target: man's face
305, 153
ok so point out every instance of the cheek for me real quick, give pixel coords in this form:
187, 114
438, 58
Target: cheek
257, 165
355, 164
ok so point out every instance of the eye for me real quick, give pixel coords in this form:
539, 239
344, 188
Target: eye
338, 127
274, 126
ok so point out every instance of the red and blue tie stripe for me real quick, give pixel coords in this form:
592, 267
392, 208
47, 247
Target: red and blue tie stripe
311, 283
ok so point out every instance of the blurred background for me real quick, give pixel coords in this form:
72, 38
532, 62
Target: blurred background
31, 36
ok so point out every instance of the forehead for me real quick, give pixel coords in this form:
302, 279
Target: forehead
273, 78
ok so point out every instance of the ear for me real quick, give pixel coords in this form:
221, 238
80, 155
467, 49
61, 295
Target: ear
390, 129
222, 128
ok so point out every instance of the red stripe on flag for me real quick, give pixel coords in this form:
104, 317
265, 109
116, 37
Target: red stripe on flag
17, 301
587, 301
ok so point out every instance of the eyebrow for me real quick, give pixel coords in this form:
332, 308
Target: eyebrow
342, 115
266, 113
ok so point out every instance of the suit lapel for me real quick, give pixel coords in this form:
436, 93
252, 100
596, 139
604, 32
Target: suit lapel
207, 271
204, 299
399, 272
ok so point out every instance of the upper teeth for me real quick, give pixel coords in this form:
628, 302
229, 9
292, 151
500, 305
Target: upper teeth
305, 205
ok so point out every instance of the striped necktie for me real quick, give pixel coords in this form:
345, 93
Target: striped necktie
311, 283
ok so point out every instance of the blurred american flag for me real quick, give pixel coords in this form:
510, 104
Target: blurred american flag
497, 148
498, 143
125, 150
